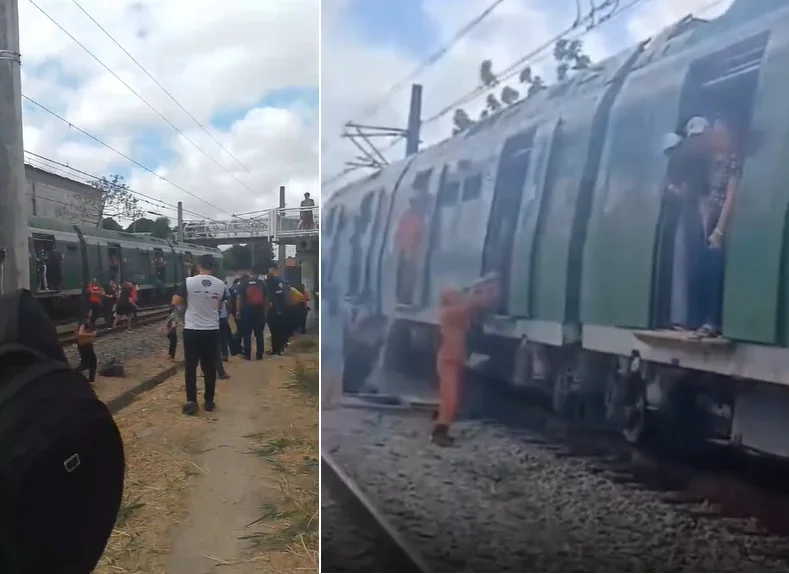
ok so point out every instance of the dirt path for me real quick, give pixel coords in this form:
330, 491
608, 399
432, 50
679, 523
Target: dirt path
245, 498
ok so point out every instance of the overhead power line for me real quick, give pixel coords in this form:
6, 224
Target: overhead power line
516, 67
120, 153
155, 81
137, 94
433, 58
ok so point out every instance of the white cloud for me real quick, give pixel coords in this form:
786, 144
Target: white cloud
214, 59
356, 73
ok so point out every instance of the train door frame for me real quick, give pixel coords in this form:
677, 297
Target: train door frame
158, 252
507, 199
358, 254
419, 191
704, 76
144, 258
117, 246
450, 186
46, 241
83, 252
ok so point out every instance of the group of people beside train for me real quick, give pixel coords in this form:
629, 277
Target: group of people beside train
702, 178
117, 303
203, 304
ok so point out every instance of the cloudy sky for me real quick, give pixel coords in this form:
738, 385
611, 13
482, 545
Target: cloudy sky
368, 46
246, 70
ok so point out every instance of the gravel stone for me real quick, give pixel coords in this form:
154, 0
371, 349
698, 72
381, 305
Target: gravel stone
499, 501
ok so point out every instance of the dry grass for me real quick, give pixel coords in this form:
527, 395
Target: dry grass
159, 473
304, 344
285, 537
136, 371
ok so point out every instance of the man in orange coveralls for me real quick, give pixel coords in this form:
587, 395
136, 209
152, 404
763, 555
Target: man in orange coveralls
456, 311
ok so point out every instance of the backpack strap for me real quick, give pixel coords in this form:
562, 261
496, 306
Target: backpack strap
44, 365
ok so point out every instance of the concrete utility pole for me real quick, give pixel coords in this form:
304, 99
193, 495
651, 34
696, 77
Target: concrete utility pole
14, 209
414, 128
281, 247
180, 234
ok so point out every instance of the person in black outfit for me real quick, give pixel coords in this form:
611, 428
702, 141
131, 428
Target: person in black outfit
251, 314
277, 315
171, 329
86, 334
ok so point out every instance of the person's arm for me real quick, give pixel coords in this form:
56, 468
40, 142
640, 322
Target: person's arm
179, 298
83, 332
728, 202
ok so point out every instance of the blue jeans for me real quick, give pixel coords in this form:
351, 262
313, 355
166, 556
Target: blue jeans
706, 275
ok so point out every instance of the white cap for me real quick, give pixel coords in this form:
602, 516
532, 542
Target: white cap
670, 141
697, 125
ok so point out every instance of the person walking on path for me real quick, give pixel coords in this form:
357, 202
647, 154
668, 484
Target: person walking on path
202, 296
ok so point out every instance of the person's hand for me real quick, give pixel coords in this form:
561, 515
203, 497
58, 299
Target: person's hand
716, 239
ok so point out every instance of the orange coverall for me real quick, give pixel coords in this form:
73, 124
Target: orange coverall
456, 310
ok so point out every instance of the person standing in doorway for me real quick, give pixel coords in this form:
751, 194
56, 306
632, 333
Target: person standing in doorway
202, 297
251, 303
277, 312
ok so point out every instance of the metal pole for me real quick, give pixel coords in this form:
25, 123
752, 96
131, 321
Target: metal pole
414, 121
14, 208
180, 234
281, 246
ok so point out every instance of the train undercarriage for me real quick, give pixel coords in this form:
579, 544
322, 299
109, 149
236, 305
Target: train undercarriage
682, 409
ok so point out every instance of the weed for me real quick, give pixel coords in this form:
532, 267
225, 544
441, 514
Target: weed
305, 379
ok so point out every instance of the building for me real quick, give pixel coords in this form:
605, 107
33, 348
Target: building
57, 197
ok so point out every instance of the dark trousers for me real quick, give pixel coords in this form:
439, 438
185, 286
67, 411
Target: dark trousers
224, 337
200, 347
172, 337
220, 366
87, 360
277, 326
706, 267
96, 311
253, 325
303, 311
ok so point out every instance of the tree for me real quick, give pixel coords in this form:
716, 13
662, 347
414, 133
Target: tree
111, 224
509, 95
160, 227
240, 256
570, 56
492, 103
461, 121
486, 75
116, 199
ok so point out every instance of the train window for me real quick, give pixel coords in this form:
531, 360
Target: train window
472, 187
360, 226
71, 247
448, 194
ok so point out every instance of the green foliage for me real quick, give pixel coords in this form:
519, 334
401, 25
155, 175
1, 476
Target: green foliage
238, 257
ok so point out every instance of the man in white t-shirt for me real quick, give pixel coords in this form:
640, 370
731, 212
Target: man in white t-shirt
202, 294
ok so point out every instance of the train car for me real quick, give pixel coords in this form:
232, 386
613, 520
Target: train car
90, 252
562, 195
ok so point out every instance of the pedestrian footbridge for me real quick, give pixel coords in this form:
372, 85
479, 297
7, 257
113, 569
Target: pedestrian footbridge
283, 225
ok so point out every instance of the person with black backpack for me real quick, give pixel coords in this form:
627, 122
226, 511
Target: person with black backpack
62, 462
278, 307
251, 303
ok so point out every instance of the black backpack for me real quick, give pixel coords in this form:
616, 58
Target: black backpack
61, 455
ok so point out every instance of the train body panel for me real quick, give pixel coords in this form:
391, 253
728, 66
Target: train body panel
87, 251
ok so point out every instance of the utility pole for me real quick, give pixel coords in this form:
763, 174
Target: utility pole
180, 234
362, 136
281, 246
414, 121
14, 208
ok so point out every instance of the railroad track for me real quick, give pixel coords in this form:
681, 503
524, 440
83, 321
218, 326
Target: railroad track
520, 468
396, 554
144, 317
